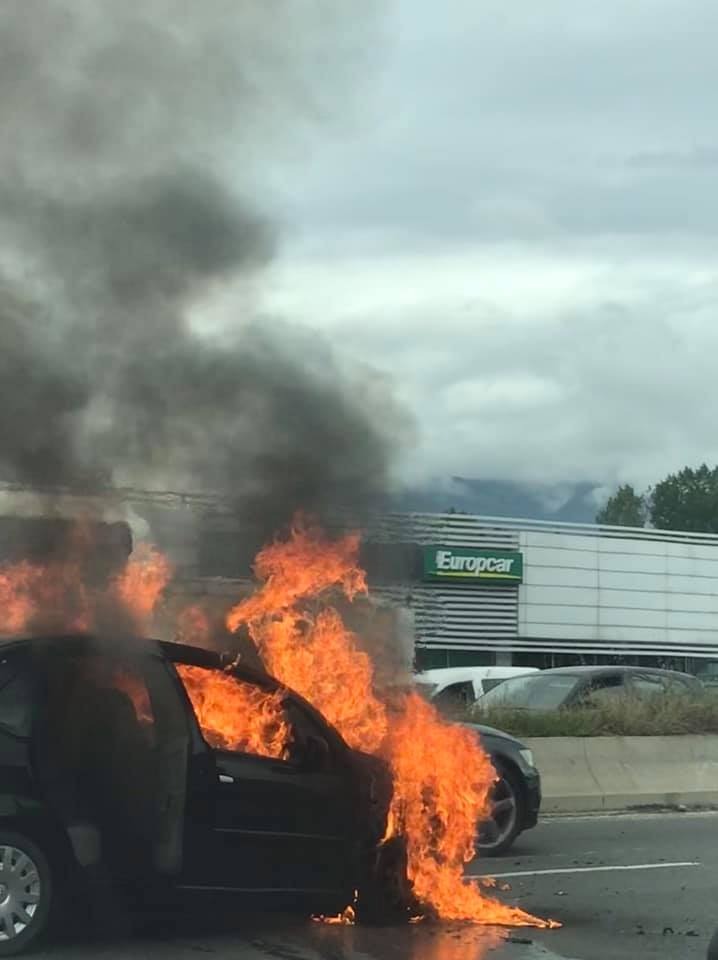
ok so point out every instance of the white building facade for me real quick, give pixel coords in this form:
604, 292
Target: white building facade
542, 594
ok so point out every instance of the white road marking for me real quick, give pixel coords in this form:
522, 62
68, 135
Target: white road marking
552, 819
562, 870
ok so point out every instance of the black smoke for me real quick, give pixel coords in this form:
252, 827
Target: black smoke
128, 195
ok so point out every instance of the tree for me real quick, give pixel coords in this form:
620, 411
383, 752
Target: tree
687, 500
625, 508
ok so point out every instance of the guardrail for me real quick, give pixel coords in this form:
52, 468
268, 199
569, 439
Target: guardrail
589, 774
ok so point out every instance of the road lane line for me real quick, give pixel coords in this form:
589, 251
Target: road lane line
547, 873
553, 819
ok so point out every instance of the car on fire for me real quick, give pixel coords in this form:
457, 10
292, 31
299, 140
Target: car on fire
105, 773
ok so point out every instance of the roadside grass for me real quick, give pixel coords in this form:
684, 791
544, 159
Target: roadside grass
626, 717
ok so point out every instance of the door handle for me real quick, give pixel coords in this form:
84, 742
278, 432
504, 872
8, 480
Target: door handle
225, 778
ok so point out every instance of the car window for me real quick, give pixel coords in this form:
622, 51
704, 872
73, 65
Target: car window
98, 709
603, 690
167, 707
489, 684
124, 681
237, 715
532, 692
679, 686
455, 695
130, 682
16, 696
647, 685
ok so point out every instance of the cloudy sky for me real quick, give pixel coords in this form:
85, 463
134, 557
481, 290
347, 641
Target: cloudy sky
519, 225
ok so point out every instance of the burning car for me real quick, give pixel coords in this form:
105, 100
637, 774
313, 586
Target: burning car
110, 763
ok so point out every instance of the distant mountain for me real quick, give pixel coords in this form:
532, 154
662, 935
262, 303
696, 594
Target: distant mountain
571, 503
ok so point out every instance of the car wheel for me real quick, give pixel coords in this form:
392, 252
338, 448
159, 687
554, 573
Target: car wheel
26, 893
499, 832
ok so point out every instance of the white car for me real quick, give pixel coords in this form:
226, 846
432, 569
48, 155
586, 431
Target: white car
454, 686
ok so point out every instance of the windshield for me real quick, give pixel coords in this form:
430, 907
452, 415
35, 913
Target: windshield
534, 692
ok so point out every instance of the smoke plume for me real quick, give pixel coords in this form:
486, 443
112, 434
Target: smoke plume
132, 139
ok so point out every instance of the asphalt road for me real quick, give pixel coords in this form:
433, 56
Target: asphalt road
625, 888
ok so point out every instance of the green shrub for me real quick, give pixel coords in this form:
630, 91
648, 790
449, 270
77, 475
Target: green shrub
624, 717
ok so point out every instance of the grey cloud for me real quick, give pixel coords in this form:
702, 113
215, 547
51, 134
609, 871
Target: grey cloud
699, 158
576, 138
118, 222
606, 390
496, 123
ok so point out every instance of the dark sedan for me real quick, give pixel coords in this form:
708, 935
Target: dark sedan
586, 686
517, 793
105, 772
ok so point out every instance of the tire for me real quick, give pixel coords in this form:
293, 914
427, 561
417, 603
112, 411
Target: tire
498, 834
386, 894
26, 893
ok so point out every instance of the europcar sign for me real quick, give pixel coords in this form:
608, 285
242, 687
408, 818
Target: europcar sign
464, 563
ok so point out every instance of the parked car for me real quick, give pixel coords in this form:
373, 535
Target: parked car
517, 793
103, 764
574, 686
462, 686
708, 674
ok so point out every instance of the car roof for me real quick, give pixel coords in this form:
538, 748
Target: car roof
176, 652
583, 671
213, 660
446, 675
74, 643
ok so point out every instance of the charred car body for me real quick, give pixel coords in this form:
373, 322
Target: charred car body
104, 771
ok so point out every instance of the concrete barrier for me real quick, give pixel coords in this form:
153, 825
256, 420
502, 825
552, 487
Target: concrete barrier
585, 774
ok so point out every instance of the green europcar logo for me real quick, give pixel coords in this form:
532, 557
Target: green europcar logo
450, 563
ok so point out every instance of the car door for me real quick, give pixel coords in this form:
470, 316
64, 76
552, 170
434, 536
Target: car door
282, 824
111, 753
19, 700
165, 707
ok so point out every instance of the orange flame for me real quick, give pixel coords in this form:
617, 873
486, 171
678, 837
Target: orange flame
54, 596
235, 715
141, 583
347, 918
50, 597
315, 654
442, 785
442, 777
17, 585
